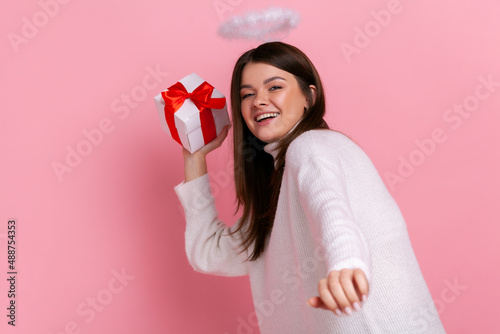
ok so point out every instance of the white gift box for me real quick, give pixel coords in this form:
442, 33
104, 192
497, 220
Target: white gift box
185, 120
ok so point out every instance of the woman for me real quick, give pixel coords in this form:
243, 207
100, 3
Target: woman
323, 241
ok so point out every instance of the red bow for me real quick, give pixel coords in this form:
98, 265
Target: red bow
174, 98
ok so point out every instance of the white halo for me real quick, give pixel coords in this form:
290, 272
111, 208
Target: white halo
267, 25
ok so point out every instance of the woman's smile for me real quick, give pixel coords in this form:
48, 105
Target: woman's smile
264, 118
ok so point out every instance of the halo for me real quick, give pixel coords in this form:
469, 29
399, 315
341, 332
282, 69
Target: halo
268, 25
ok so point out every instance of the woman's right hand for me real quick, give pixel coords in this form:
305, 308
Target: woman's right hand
195, 164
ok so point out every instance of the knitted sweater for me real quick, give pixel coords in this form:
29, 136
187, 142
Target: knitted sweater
333, 212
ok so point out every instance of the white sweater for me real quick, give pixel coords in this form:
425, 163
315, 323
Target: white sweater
334, 212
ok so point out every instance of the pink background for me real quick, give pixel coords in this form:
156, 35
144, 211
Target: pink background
116, 210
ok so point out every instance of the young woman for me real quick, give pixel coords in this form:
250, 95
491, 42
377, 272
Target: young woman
323, 241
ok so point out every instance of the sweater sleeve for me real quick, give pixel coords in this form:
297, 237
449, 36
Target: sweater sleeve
209, 247
319, 173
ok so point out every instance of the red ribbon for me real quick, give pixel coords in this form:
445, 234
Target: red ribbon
174, 98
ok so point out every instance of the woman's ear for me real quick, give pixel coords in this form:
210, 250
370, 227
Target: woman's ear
313, 96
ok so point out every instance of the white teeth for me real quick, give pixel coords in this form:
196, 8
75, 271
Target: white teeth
270, 114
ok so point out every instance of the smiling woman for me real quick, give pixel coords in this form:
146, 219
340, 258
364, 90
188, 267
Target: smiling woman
324, 243
271, 107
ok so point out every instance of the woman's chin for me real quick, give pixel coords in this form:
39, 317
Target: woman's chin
267, 138
268, 135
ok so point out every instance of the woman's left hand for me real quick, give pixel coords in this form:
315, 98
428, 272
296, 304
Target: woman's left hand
345, 290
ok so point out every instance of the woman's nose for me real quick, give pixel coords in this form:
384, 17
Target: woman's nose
260, 100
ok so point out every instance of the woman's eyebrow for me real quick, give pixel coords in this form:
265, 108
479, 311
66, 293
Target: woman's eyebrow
265, 81
272, 79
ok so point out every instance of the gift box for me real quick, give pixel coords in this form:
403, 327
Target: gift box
192, 111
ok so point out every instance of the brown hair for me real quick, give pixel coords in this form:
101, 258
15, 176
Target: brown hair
257, 181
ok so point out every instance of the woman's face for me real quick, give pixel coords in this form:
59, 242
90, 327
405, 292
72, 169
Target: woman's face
271, 101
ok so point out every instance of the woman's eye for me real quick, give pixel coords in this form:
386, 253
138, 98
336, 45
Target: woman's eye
275, 87
245, 96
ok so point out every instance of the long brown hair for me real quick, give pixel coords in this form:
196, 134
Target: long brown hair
257, 180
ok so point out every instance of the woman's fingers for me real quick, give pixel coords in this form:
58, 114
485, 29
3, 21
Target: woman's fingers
341, 291
317, 303
326, 296
361, 284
